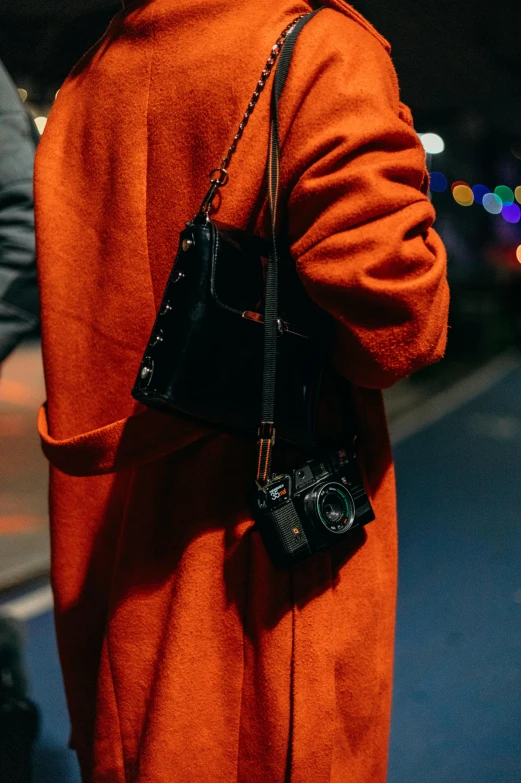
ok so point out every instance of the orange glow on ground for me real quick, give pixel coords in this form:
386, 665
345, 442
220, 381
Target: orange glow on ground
19, 523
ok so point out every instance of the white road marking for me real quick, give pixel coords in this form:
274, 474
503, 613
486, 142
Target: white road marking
448, 401
30, 605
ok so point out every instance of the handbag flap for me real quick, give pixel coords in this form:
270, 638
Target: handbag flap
237, 279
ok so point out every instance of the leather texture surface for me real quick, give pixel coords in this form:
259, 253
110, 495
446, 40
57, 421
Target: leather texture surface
205, 360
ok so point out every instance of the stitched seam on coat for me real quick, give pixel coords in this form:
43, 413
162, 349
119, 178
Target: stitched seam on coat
161, 652
129, 488
116, 710
147, 242
147, 125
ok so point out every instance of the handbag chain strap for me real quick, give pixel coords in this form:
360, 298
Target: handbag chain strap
219, 176
218, 179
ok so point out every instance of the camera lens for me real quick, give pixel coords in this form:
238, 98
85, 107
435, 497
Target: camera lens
335, 507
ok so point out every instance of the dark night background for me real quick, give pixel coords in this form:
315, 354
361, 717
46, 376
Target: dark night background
452, 55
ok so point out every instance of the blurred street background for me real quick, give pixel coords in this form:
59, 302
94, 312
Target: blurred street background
456, 427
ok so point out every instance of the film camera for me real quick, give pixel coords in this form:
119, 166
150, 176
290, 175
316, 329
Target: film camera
312, 508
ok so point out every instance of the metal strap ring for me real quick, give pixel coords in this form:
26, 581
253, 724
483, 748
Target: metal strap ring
221, 180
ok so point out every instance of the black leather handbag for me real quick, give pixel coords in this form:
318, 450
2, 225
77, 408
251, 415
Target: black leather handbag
232, 325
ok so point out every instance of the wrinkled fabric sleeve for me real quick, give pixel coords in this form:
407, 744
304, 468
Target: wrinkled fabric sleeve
18, 280
360, 221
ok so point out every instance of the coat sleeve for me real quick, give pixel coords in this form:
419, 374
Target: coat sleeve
360, 221
18, 281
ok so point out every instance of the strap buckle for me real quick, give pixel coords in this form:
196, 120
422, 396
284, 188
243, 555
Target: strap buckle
266, 432
266, 441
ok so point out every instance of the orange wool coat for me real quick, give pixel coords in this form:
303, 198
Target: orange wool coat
186, 656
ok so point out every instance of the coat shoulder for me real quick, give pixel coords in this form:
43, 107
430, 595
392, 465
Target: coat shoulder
355, 16
343, 39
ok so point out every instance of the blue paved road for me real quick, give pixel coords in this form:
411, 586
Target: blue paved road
457, 704
54, 763
457, 698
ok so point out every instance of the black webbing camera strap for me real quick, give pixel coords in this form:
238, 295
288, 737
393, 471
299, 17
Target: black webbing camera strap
282, 51
271, 321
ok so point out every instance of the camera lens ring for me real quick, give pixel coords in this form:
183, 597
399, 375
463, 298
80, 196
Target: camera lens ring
341, 515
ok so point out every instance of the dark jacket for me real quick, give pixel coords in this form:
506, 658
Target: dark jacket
18, 285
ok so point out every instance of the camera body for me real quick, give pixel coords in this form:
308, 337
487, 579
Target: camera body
311, 509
